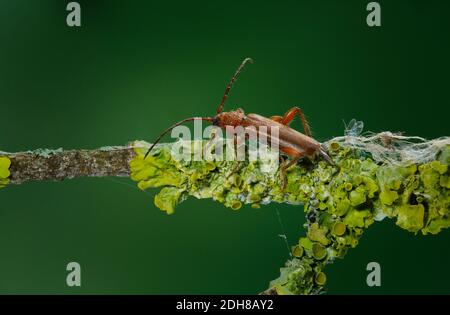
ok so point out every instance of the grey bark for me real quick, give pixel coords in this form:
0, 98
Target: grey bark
57, 165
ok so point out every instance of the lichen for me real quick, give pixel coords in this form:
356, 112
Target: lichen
341, 200
47, 152
5, 163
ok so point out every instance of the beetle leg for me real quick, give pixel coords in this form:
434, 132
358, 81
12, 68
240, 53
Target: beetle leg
289, 116
238, 164
296, 155
284, 168
235, 168
323, 152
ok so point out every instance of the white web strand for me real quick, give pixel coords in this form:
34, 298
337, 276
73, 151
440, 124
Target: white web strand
394, 148
283, 236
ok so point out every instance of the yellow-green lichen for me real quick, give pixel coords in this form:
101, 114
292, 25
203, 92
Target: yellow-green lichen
340, 200
320, 278
5, 163
219, 180
297, 251
338, 229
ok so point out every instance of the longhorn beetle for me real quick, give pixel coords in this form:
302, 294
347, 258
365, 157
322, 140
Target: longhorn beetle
291, 142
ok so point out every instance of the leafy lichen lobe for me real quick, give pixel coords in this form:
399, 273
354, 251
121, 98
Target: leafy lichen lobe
340, 200
5, 163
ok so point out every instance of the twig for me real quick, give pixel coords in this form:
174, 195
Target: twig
44, 164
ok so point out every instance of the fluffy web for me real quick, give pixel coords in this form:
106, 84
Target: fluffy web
388, 147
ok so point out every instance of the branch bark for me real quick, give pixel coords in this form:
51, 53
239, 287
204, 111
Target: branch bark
57, 165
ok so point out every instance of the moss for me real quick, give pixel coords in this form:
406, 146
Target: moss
341, 200
5, 163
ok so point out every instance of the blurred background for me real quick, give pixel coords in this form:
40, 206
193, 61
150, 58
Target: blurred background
134, 67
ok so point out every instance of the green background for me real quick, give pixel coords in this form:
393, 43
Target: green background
134, 67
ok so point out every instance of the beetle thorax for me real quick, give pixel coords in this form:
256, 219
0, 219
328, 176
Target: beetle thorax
233, 118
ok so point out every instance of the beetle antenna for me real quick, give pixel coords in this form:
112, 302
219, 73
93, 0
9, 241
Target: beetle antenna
173, 126
230, 84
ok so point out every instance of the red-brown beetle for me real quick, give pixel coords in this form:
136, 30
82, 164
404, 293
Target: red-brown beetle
291, 142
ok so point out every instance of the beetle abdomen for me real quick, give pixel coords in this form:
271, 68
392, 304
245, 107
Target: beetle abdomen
287, 136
